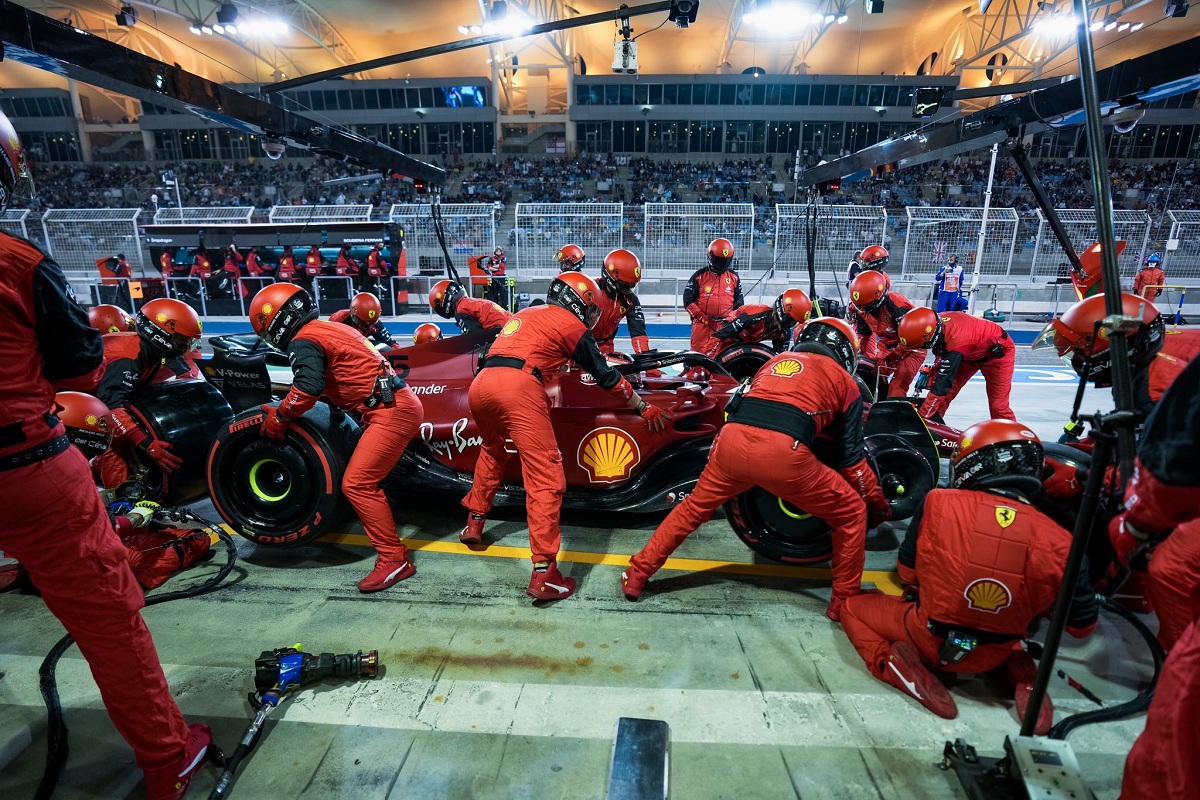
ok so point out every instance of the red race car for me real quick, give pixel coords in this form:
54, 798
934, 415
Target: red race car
288, 492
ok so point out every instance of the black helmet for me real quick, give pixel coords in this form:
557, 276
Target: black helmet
831, 337
444, 296
997, 452
278, 311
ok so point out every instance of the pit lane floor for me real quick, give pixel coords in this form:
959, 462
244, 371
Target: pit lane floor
486, 695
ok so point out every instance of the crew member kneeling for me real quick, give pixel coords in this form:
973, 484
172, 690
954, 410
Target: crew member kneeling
334, 361
982, 564
509, 404
792, 398
364, 316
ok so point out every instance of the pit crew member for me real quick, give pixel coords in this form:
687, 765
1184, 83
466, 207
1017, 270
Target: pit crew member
711, 293
875, 312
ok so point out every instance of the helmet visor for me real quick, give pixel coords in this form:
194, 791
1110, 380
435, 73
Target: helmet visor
1045, 339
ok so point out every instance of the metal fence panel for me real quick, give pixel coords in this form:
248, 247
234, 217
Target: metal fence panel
14, 221
470, 230
76, 237
543, 228
209, 215
1049, 261
934, 233
841, 232
320, 213
676, 236
1181, 259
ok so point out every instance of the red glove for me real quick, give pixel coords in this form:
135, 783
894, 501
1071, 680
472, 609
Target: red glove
160, 451
1132, 546
1061, 481
273, 426
640, 343
656, 418
878, 513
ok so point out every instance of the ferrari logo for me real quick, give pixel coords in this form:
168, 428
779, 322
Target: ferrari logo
854, 296
637, 272
510, 327
1005, 516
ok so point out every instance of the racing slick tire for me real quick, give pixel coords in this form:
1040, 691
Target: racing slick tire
188, 414
781, 531
744, 360
285, 492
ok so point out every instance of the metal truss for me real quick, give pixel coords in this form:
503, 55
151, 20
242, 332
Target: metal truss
1005, 30
804, 45
552, 49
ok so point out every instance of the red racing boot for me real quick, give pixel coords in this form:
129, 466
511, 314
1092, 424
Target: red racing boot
1021, 673
385, 574
633, 581
170, 782
905, 670
550, 584
473, 533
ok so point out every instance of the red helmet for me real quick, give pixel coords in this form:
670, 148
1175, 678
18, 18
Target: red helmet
874, 257
791, 307
427, 332
443, 298
170, 325
622, 271
869, 289
577, 293
1078, 335
365, 308
111, 319
498, 252
720, 255
13, 170
832, 337
920, 328
278, 311
570, 258
85, 418
997, 452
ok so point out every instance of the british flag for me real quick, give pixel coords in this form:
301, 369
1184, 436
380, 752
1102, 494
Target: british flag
939, 252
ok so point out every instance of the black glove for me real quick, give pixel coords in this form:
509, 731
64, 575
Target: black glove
878, 514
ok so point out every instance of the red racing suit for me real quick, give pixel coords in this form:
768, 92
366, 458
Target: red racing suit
334, 361
708, 297
766, 442
1163, 502
314, 262
1179, 348
255, 267
53, 520
748, 325
1149, 276
374, 332
286, 272
201, 267
376, 266
968, 345
130, 364
346, 265
509, 403
881, 341
472, 314
985, 564
612, 310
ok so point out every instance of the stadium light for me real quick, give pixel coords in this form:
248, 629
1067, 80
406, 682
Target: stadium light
206, 30
842, 19
195, 28
127, 17
781, 17
1137, 26
1056, 24
1095, 26
1124, 26
1108, 26
218, 28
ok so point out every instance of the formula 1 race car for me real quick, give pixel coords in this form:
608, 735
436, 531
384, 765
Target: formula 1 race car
281, 493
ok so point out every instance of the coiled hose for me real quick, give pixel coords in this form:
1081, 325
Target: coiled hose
1133, 706
56, 726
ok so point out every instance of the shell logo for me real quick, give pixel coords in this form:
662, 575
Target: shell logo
965, 444
267, 308
510, 327
608, 455
91, 419
559, 256
708, 290
160, 317
209, 371
787, 368
1005, 516
988, 594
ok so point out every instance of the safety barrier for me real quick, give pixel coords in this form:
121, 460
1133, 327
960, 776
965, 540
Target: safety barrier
677, 235
841, 232
334, 291
204, 215
320, 214
470, 230
13, 221
75, 237
935, 233
543, 228
1050, 263
1181, 258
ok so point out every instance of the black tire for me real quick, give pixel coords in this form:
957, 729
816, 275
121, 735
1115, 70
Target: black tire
745, 360
780, 531
188, 414
282, 493
868, 376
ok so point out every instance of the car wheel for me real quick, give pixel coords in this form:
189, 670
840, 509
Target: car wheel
188, 414
745, 360
778, 530
282, 492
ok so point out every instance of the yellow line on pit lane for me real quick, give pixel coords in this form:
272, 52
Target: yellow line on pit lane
884, 580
